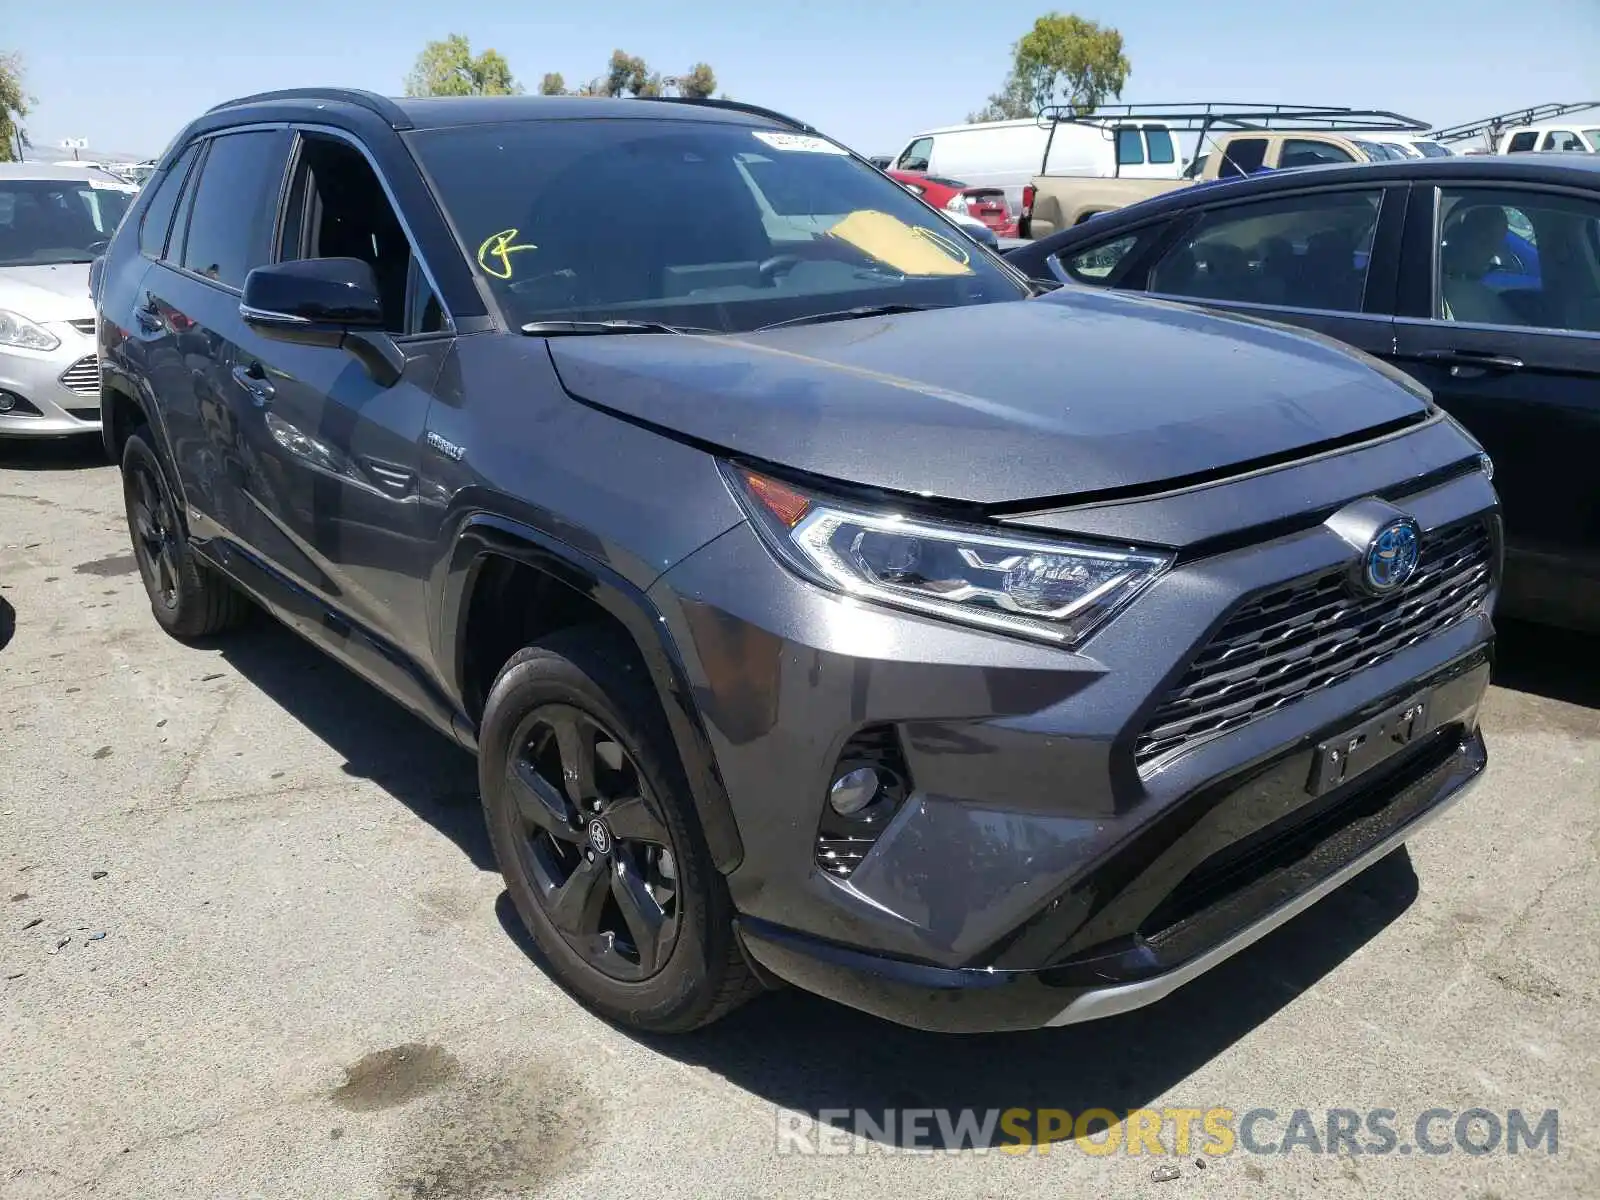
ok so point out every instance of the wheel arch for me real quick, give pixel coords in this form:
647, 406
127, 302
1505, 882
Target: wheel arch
505, 582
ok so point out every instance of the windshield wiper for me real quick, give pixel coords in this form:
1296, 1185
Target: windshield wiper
850, 314
569, 328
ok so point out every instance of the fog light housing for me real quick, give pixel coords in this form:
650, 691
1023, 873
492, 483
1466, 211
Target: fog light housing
853, 791
870, 782
7, 402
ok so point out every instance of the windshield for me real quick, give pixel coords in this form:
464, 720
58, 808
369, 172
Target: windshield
710, 226
45, 221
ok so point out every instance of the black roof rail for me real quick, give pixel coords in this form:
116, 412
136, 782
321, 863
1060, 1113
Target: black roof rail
754, 110
1213, 114
1489, 126
371, 101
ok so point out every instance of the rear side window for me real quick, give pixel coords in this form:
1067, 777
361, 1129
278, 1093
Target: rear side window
1304, 252
235, 203
1130, 148
1563, 139
1242, 156
1160, 141
1297, 152
1096, 264
158, 213
1525, 140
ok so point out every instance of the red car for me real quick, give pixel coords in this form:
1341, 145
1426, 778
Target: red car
986, 204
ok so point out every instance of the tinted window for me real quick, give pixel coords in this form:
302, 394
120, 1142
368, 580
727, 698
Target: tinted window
1160, 140
1299, 153
1242, 155
1305, 252
158, 213
763, 225
916, 155
235, 202
1096, 264
1518, 258
45, 221
1431, 149
1522, 141
1130, 147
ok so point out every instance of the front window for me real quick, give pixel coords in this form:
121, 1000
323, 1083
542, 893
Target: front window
694, 224
45, 221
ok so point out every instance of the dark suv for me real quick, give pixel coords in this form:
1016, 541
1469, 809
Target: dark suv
822, 604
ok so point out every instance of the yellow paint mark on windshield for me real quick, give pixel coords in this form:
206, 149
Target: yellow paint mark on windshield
906, 248
494, 255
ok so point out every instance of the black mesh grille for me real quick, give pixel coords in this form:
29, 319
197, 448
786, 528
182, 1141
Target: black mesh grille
842, 842
1314, 633
83, 324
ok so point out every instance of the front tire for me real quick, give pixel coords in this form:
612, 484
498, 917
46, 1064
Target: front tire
188, 598
598, 841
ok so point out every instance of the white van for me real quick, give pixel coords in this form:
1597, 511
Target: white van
1584, 138
1008, 154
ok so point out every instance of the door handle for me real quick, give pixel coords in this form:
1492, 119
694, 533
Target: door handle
148, 315
253, 379
1472, 358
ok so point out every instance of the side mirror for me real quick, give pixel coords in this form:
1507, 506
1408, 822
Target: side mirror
323, 302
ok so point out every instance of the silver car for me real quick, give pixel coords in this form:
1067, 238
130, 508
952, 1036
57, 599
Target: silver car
53, 221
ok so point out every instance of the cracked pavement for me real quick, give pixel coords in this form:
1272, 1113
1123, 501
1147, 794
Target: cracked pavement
310, 983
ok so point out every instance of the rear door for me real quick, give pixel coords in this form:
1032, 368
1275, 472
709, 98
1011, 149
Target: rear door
1500, 316
190, 306
1323, 258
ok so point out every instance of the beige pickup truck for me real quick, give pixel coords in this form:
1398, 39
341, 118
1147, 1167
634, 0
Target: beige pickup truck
1054, 202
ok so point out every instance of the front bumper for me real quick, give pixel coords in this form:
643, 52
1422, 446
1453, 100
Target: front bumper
1038, 871
59, 389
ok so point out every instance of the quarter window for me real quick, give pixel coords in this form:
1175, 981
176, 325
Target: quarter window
1525, 140
230, 229
1517, 258
1096, 264
1305, 252
158, 213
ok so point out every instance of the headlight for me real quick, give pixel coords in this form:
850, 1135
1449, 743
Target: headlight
1031, 587
19, 331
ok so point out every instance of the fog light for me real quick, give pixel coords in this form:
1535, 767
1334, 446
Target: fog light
853, 791
7, 402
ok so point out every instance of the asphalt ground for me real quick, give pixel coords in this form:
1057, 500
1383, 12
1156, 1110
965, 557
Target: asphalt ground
311, 983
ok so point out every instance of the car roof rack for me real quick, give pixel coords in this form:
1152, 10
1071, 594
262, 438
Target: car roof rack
1213, 114
1489, 127
371, 101
754, 110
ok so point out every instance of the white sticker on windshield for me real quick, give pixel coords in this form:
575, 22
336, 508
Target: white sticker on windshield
802, 142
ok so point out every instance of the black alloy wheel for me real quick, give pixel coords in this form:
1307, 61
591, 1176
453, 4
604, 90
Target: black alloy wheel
593, 843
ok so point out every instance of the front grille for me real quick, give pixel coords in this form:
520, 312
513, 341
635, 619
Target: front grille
1314, 633
83, 376
83, 325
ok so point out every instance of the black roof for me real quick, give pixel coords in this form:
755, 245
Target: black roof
1573, 170
434, 112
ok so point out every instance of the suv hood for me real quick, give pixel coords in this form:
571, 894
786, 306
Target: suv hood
998, 403
47, 292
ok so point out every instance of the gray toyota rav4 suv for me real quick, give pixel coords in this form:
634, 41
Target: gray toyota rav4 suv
822, 604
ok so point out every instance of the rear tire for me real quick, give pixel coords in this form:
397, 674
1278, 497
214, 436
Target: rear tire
598, 840
188, 598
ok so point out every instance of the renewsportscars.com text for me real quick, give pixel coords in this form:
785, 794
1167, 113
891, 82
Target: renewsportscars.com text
1180, 1132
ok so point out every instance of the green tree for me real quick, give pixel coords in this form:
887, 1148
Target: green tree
448, 68
553, 84
1068, 60
14, 105
626, 73
1011, 103
700, 82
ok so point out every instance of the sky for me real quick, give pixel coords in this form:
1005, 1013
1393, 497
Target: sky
869, 72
